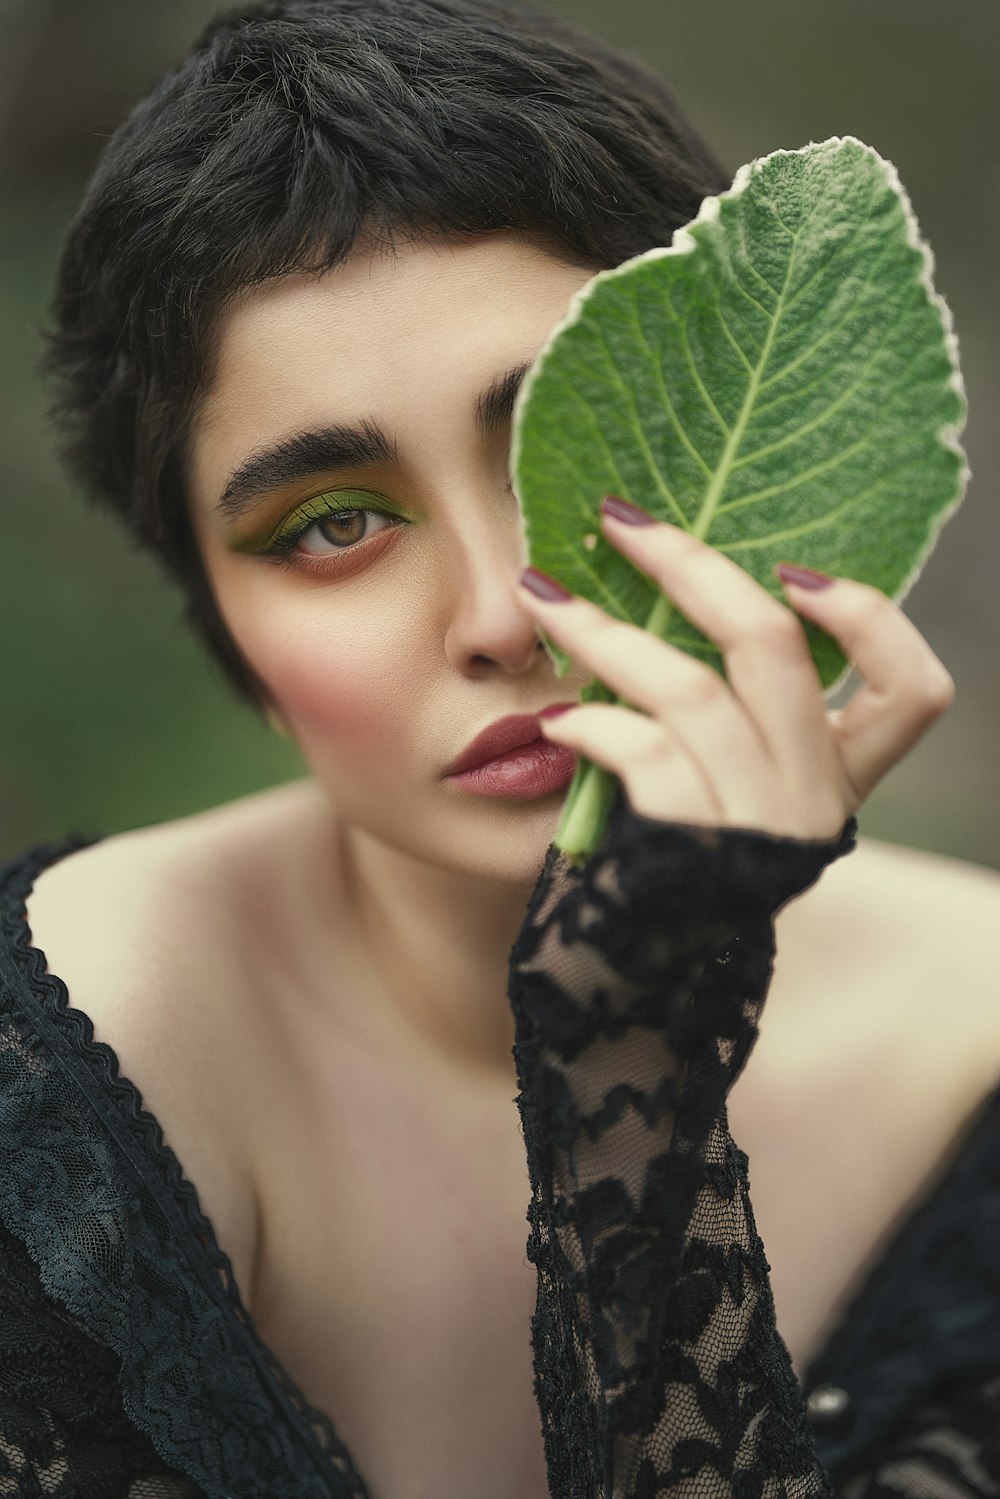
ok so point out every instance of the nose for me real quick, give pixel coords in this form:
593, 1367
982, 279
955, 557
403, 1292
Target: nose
486, 628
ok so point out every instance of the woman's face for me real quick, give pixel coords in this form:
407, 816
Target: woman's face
388, 639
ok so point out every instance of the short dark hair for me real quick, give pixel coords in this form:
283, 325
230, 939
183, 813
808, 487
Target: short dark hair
291, 129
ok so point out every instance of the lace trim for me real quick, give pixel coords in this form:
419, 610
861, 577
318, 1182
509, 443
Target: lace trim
132, 1253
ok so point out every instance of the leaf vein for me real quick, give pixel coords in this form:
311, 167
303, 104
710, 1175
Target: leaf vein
732, 339
818, 523
813, 425
750, 298
825, 376
832, 332
699, 382
577, 480
602, 438
746, 261
658, 476
714, 492
821, 270
823, 467
667, 398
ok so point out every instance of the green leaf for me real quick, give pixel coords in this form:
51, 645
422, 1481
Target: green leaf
782, 381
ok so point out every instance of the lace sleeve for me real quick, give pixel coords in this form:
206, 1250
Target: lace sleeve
636, 984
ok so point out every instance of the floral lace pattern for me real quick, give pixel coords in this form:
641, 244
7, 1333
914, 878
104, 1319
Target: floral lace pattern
63, 1432
91, 1189
637, 983
130, 1368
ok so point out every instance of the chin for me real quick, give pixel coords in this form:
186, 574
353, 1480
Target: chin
508, 841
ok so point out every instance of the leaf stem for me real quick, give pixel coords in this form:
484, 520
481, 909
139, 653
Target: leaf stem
591, 792
588, 802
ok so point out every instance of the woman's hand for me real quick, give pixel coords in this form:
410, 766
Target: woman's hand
759, 749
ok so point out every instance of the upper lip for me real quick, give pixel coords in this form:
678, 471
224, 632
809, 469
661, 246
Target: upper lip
506, 734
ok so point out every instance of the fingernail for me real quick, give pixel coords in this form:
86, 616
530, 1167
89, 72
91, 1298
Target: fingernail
624, 510
802, 577
554, 711
544, 587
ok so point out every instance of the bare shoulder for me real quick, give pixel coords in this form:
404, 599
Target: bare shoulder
905, 940
941, 905
152, 932
156, 931
879, 1042
157, 901
923, 871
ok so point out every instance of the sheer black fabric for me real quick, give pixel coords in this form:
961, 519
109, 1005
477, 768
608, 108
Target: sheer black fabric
128, 1365
637, 984
99, 1200
63, 1432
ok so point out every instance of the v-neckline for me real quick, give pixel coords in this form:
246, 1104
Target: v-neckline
317, 1430
345, 1481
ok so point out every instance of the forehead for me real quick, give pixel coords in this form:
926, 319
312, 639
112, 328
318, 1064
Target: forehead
433, 311
407, 341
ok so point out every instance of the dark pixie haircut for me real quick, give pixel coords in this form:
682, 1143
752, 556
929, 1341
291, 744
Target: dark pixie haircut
294, 129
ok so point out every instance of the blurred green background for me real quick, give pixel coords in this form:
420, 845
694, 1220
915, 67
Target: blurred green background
109, 715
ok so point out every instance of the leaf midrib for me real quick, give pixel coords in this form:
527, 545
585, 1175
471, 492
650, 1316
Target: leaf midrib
720, 478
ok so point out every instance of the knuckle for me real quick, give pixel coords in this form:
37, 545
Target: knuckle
698, 688
779, 632
937, 690
654, 751
809, 811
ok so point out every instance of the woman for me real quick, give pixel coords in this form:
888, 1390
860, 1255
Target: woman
291, 320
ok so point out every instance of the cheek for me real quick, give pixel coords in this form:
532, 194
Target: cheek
342, 692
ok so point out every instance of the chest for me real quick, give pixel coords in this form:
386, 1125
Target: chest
387, 1266
391, 1278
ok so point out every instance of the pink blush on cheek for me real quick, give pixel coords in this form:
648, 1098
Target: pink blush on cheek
340, 707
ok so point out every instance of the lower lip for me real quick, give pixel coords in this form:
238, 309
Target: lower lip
535, 769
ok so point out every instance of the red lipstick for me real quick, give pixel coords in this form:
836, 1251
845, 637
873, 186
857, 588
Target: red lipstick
512, 759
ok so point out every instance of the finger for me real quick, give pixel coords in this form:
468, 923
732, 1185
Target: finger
905, 687
661, 778
768, 664
667, 683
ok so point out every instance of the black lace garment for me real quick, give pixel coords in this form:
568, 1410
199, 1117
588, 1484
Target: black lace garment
129, 1366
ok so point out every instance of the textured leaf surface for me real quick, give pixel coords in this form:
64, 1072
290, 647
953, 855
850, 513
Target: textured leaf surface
782, 381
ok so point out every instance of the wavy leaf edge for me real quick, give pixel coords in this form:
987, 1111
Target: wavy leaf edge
685, 242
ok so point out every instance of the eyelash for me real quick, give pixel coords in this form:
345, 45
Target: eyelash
282, 549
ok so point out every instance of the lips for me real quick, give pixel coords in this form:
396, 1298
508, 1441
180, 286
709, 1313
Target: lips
506, 734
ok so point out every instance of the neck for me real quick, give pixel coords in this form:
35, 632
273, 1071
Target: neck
437, 942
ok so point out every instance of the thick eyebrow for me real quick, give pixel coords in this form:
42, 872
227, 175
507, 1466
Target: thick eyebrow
298, 457
495, 406
315, 452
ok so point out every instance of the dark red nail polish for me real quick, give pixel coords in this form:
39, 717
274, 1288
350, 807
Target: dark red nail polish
624, 510
544, 587
802, 577
554, 711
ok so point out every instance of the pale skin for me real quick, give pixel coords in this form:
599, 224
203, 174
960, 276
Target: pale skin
432, 628
309, 985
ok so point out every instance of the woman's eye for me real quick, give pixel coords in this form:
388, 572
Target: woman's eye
330, 536
339, 531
